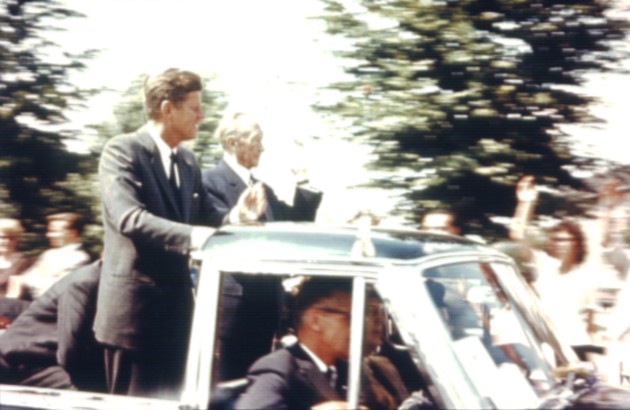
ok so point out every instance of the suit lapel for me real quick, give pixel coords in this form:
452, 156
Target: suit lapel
158, 172
312, 376
268, 211
186, 185
235, 185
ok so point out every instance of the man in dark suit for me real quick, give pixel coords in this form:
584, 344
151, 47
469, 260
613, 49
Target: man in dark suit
51, 343
155, 211
241, 139
303, 375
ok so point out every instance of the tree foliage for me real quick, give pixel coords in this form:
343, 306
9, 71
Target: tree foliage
35, 92
461, 98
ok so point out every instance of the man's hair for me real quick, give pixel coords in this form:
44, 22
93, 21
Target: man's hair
172, 85
235, 124
316, 289
456, 218
74, 220
11, 226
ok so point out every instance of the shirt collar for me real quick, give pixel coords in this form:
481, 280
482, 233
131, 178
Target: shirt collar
163, 148
243, 173
69, 247
318, 362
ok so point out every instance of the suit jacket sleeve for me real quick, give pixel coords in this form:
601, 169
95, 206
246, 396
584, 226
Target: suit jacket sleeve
121, 188
76, 315
285, 379
305, 204
266, 390
216, 195
304, 208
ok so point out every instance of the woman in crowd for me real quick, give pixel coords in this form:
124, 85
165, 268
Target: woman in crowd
565, 284
12, 262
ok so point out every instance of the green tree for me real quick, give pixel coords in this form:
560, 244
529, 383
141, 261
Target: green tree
35, 92
460, 98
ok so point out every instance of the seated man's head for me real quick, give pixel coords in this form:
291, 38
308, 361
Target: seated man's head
375, 320
10, 231
323, 317
440, 221
241, 137
64, 229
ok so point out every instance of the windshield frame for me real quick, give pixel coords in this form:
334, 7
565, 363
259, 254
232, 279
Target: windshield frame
521, 297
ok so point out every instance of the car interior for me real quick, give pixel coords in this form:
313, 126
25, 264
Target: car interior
256, 318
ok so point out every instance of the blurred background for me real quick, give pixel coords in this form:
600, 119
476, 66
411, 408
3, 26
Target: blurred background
397, 106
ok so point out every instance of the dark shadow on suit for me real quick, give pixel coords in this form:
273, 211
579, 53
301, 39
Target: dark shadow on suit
246, 298
286, 379
51, 343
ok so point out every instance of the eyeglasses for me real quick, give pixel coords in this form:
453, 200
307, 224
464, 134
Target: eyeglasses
326, 309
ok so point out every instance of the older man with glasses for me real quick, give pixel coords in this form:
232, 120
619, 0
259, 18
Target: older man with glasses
303, 374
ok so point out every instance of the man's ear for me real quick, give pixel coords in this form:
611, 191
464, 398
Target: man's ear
230, 143
312, 320
165, 108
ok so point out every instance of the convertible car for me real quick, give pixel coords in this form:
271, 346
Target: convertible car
455, 318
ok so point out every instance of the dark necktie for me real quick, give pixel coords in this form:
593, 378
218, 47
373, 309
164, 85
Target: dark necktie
173, 180
331, 375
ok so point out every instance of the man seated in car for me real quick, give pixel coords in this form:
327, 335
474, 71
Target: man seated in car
304, 374
313, 370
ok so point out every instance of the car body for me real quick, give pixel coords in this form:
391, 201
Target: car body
479, 341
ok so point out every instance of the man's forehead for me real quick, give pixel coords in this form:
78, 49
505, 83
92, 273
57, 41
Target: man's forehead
58, 224
339, 297
436, 220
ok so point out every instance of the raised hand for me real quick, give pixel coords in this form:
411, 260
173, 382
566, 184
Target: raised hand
526, 190
300, 161
252, 203
610, 194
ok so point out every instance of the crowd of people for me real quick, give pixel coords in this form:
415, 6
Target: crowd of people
130, 311
27, 278
581, 281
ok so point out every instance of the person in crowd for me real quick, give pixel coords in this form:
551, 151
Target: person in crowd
364, 220
12, 262
382, 384
51, 343
613, 224
65, 254
446, 221
155, 211
441, 221
565, 284
303, 374
242, 140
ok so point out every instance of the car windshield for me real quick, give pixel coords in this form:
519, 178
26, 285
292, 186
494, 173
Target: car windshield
488, 316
